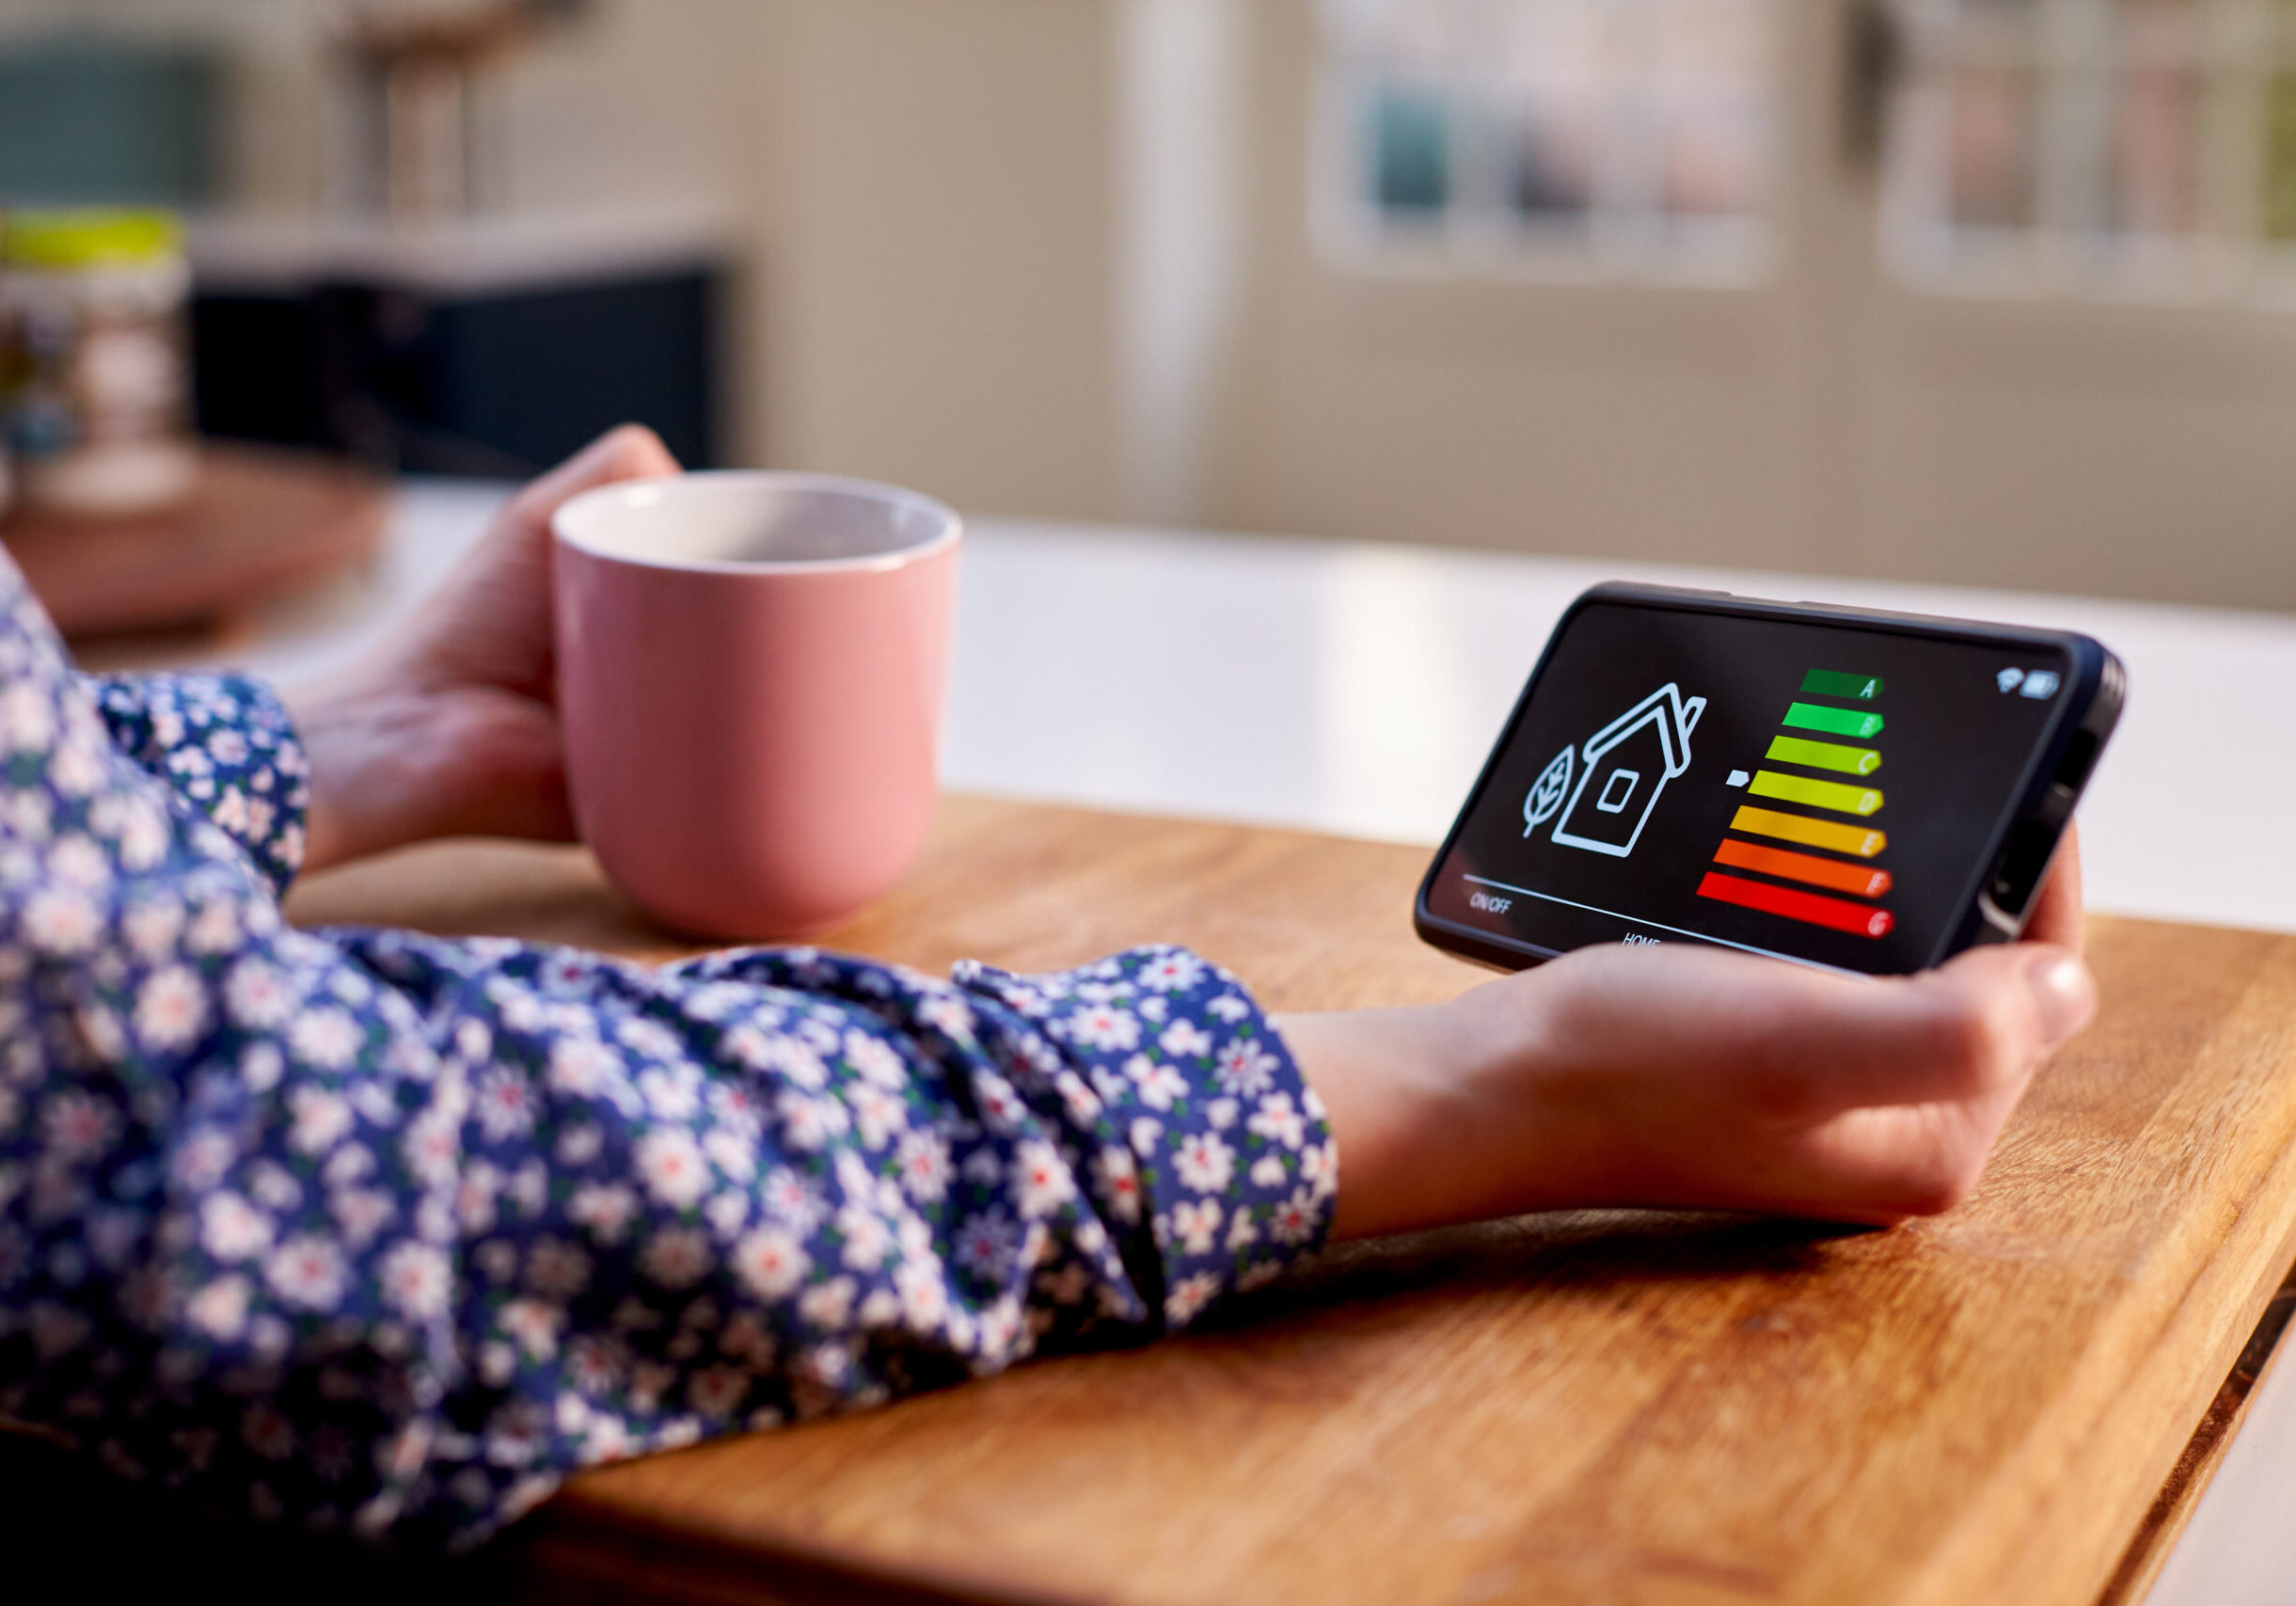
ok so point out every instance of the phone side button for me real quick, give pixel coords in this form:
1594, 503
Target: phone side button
2020, 866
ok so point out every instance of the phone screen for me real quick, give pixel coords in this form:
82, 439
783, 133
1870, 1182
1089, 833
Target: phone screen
1822, 793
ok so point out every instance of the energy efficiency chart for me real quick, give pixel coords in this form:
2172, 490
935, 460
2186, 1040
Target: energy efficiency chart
1837, 827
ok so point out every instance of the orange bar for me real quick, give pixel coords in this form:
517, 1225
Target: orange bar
1862, 879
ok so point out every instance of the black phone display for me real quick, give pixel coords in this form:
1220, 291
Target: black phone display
1869, 793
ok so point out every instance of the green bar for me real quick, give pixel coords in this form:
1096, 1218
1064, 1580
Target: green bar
1840, 722
1834, 683
1824, 756
1818, 794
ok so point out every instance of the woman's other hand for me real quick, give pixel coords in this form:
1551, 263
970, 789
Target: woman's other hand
451, 726
1690, 1077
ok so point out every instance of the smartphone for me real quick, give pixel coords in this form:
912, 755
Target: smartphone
1862, 791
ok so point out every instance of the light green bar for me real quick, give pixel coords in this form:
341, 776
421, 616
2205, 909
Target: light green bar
1824, 756
1817, 794
1838, 722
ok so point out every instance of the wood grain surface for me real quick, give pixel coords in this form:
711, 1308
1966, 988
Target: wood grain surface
1598, 1406
260, 524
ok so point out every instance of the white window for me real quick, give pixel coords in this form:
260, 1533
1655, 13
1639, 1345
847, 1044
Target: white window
1607, 138
2115, 148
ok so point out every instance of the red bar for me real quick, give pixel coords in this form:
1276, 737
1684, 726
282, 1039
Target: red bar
1860, 880
1836, 914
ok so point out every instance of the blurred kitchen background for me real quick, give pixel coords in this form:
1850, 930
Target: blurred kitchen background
1987, 291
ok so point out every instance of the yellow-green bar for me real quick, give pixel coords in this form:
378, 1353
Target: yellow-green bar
1837, 722
1817, 794
1800, 828
1824, 756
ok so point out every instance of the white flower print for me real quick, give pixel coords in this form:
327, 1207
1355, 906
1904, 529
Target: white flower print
877, 1115
924, 1297
1241, 1235
1184, 1039
1041, 1181
582, 1067
505, 1104
606, 1209
325, 1038
867, 1240
808, 1121
579, 1145
151, 926
1171, 971
947, 1014
1144, 1135
1104, 1028
61, 922
875, 1061
1294, 1220
1205, 1162
258, 994
361, 1213
231, 1229
1230, 1007
671, 1094
985, 1244
1244, 1069
791, 1200
1267, 1171
670, 1166
924, 1161
1221, 1113
1278, 1121
322, 1119
214, 930
1159, 1085
80, 861
727, 1214
307, 1271
532, 1325
432, 1148
733, 1152
1117, 1179
827, 1306
1196, 1223
417, 1280
219, 1309
1320, 1166
771, 1262
1189, 1298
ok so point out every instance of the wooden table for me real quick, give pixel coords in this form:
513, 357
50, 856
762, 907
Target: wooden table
261, 523
2015, 1402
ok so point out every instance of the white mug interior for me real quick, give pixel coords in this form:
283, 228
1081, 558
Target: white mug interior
746, 521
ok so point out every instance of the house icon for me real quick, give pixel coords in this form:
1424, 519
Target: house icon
1629, 763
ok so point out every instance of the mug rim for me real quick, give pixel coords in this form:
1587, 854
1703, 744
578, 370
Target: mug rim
648, 491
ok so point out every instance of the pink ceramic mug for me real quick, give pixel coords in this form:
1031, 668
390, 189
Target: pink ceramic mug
752, 672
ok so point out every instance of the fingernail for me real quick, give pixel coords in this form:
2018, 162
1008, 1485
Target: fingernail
2064, 993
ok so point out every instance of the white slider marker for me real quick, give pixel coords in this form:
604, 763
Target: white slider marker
1738, 778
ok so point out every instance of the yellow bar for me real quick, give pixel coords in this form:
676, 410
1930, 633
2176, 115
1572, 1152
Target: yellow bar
1835, 795
1814, 833
1823, 754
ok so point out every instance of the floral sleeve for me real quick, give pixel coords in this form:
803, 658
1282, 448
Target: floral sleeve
384, 1231
225, 748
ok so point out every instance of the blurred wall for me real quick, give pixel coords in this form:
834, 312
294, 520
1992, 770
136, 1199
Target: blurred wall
1053, 257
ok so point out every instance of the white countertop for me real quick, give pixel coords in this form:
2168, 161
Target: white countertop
1356, 689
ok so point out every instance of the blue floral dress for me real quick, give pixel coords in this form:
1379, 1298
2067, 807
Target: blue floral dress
386, 1233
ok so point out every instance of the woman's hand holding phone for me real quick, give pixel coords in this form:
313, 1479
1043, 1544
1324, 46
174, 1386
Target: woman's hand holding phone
1691, 1076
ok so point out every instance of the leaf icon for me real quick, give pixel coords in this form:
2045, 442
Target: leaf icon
1544, 800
